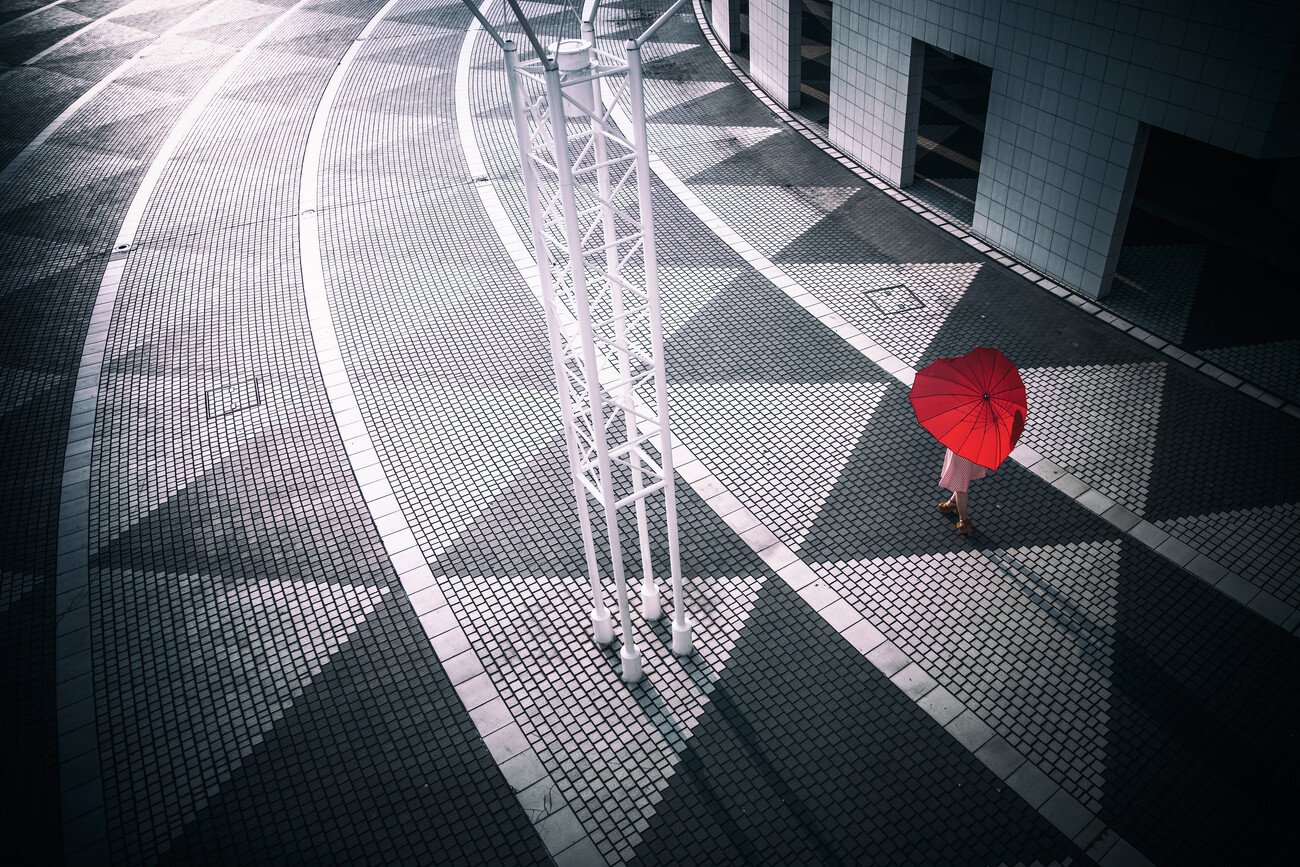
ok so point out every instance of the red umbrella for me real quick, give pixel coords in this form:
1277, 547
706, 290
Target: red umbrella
974, 404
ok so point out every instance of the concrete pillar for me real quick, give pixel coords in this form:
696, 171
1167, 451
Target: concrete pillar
1056, 181
875, 93
775, 28
1134, 171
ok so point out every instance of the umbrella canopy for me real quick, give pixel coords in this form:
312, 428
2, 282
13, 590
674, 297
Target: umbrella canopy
974, 404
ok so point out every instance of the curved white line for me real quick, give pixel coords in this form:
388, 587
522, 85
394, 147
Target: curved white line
861, 633
35, 58
1226, 581
795, 572
26, 153
427, 599
518, 251
85, 835
31, 12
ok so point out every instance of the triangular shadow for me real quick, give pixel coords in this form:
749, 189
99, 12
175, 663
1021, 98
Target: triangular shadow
752, 332
884, 504
779, 161
352, 761
1203, 465
731, 102
1209, 717
1032, 327
807, 753
854, 233
532, 528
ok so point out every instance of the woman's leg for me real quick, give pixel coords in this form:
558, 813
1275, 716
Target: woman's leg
962, 514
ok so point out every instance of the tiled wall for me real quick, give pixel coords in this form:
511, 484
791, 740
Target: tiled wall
875, 94
1073, 85
774, 48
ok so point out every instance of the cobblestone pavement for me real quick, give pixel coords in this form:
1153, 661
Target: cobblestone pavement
292, 569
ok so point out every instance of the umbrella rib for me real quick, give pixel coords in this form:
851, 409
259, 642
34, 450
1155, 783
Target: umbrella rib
947, 370
971, 433
949, 408
986, 362
957, 396
993, 387
969, 380
974, 410
950, 374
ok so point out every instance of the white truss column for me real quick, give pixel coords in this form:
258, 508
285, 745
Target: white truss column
575, 55
587, 186
683, 643
601, 623
620, 312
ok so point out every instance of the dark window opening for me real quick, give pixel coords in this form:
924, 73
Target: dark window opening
1208, 259
950, 132
815, 63
740, 29
741, 48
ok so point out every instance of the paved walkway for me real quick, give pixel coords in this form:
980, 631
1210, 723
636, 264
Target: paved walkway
293, 570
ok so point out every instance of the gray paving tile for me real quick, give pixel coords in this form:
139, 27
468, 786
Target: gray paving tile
1032, 784
285, 508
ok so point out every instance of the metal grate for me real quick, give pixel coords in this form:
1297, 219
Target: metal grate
894, 299
227, 399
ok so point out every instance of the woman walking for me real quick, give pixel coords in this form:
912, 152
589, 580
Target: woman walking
976, 403
957, 475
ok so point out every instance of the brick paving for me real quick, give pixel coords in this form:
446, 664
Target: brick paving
258, 679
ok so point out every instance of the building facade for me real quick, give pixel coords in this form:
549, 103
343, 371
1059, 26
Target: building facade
1073, 91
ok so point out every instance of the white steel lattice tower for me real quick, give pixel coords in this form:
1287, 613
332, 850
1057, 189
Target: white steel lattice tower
589, 207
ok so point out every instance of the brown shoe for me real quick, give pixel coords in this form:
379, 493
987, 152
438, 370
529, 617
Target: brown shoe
965, 528
948, 507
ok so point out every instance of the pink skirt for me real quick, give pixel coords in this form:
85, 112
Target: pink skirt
958, 472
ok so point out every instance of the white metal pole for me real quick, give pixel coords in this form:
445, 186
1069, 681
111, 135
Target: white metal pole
601, 624
630, 655
651, 606
683, 644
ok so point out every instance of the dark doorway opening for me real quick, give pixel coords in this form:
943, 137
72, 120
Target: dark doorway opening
950, 132
1208, 259
741, 48
815, 63
740, 30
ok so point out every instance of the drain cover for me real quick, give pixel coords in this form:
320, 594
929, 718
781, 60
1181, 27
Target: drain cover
227, 399
894, 299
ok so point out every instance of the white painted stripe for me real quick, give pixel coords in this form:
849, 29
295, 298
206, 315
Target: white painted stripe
838, 612
85, 835
1277, 611
36, 11
446, 636
90, 25
82, 101
869, 638
126, 236
528, 268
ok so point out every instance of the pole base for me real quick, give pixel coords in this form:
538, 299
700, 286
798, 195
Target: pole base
651, 608
631, 663
602, 626
683, 645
